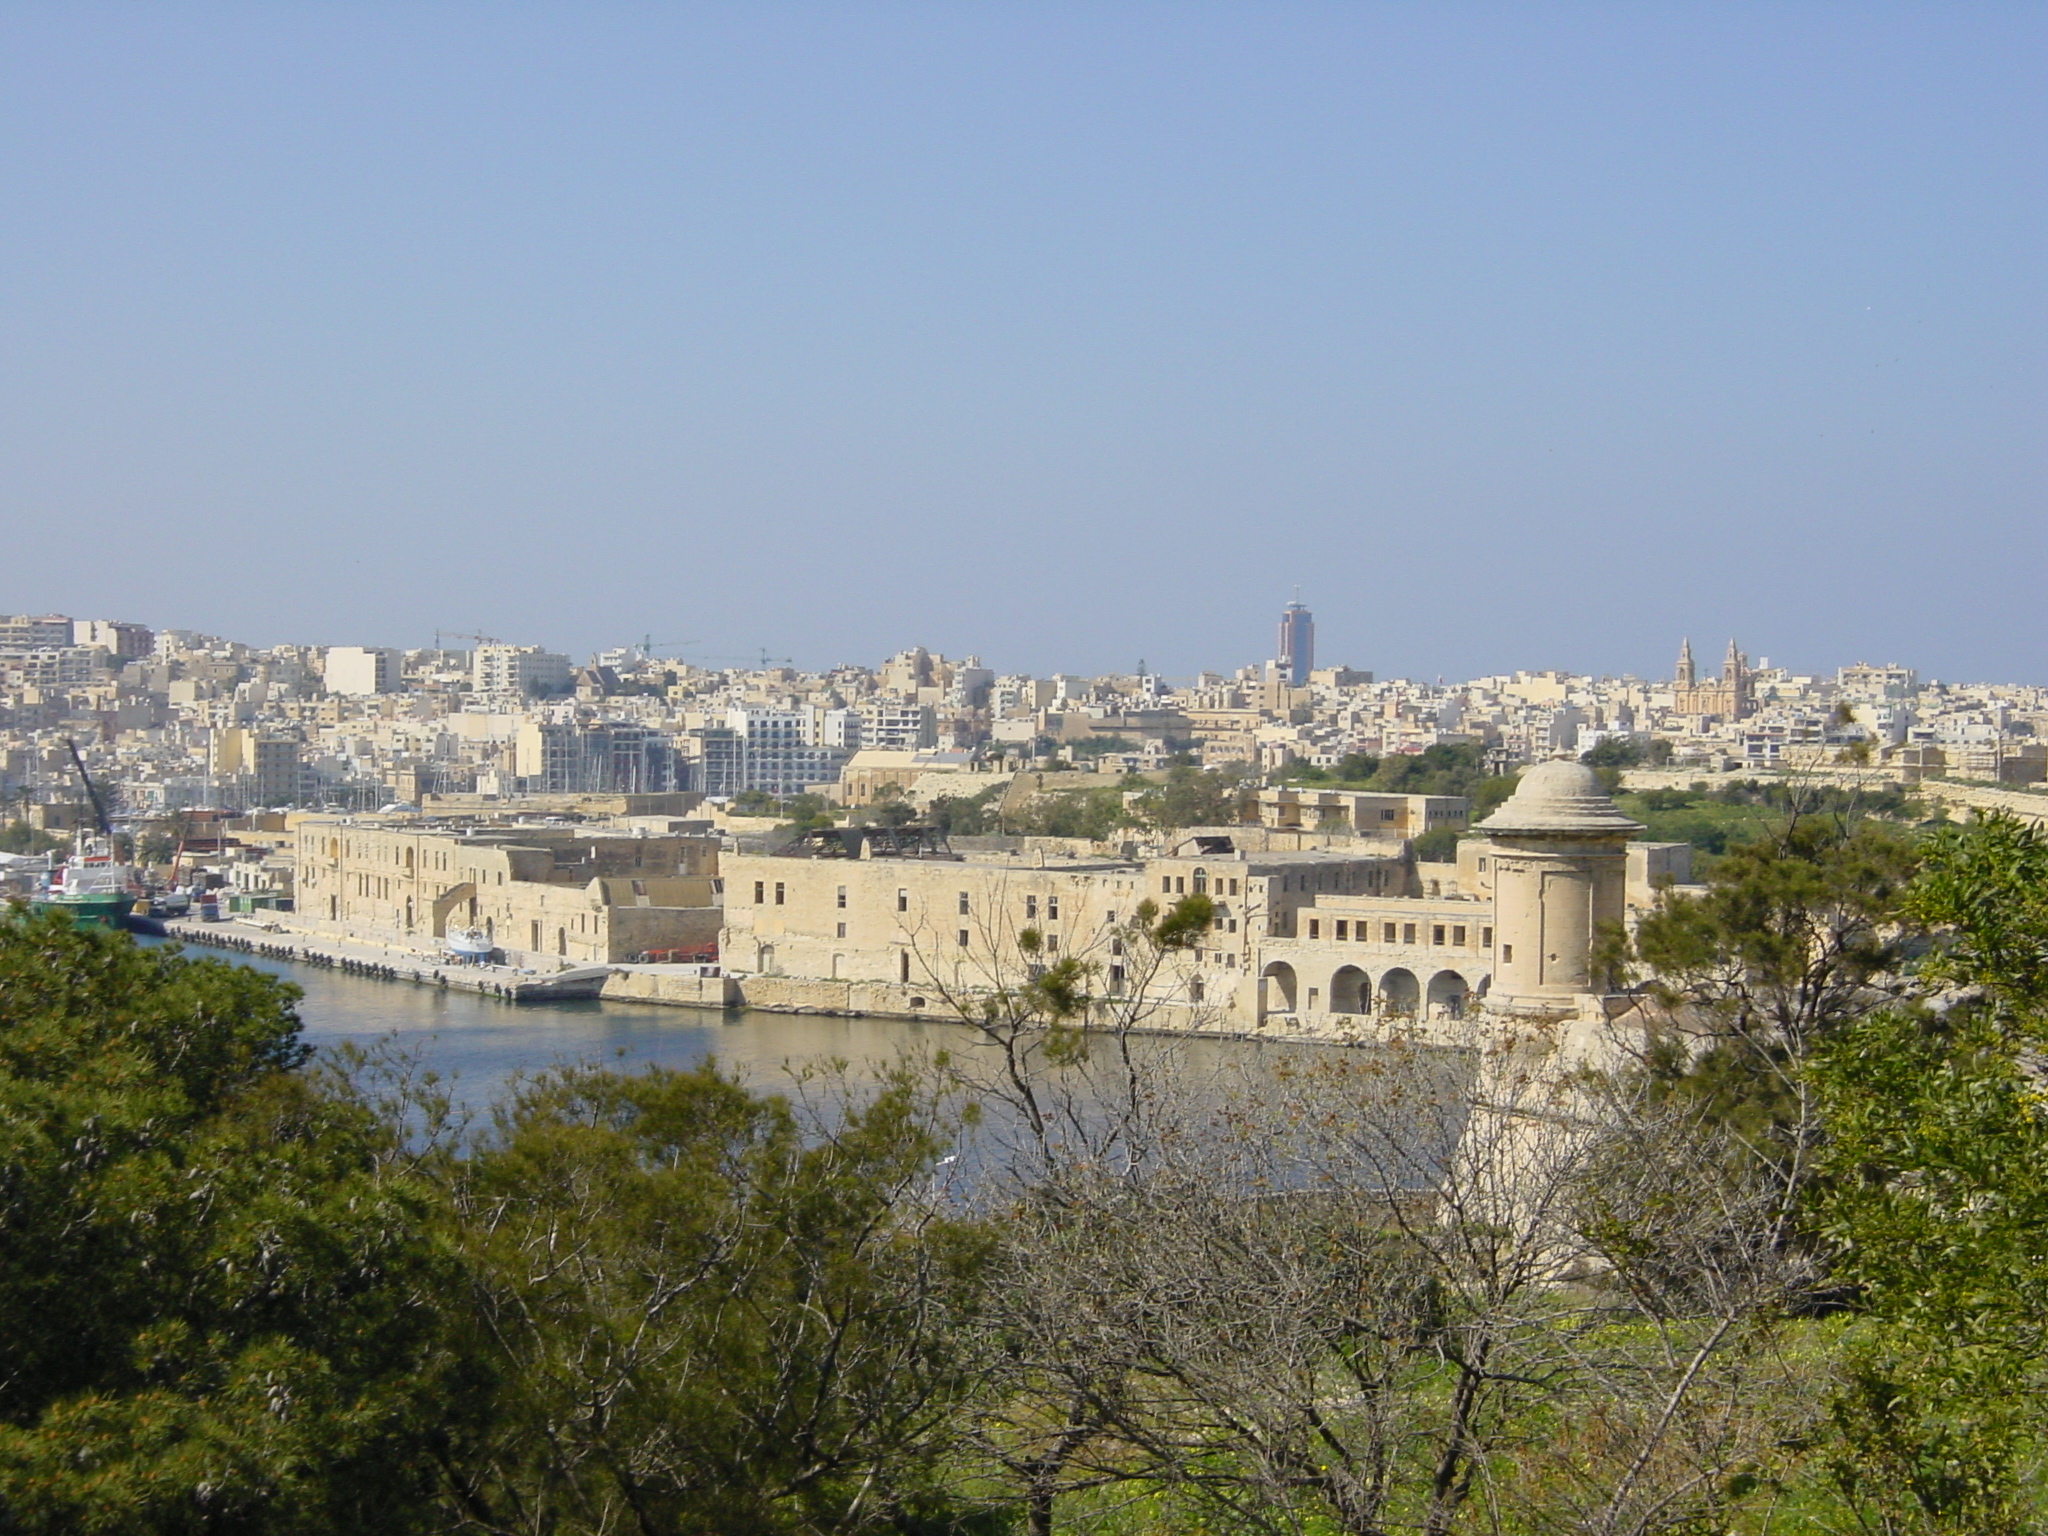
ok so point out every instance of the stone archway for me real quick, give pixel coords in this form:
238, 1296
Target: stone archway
1350, 991
1400, 993
1276, 988
1447, 995
446, 903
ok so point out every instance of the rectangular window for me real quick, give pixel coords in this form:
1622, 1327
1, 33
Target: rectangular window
1486, 938
1386, 933
1507, 954
841, 900
842, 931
963, 903
1052, 943
961, 938
1343, 929
1052, 909
780, 890
1233, 887
1458, 937
903, 965
1030, 909
1315, 929
760, 892
1166, 885
1436, 933
1407, 933
1180, 885
902, 900
1386, 815
1482, 866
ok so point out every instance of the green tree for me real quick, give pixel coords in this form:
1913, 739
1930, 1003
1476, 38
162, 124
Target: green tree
1194, 797
708, 1317
1937, 1200
220, 1308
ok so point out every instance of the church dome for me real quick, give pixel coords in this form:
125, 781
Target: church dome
1559, 797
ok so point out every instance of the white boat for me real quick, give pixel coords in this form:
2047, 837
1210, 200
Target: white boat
470, 946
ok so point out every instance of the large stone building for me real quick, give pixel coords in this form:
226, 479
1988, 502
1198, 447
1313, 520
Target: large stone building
1304, 942
543, 893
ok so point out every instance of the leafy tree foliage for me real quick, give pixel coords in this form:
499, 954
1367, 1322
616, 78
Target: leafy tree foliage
1194, 797
1450, 768
218, 1311
1938, 1200
704, 1320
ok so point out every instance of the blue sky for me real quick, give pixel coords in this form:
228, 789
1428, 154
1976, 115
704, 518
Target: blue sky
1068, 334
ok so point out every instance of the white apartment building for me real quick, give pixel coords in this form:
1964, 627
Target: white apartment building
361, 670
518, 669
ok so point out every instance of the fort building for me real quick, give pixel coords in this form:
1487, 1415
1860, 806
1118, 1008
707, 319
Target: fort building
544, 893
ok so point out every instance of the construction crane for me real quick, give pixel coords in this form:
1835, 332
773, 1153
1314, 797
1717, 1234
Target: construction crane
457, 634
647, 645
762, 661
99, 809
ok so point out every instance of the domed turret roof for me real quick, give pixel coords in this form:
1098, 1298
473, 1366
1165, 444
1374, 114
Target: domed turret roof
1560, 797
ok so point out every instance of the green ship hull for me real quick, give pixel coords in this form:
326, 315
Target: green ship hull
94, 911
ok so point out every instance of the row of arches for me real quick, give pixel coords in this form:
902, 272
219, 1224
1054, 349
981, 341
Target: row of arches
1398, 992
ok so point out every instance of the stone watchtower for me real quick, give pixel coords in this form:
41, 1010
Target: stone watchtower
1560, 874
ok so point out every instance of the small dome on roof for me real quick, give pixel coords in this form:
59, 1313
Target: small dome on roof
1559, 796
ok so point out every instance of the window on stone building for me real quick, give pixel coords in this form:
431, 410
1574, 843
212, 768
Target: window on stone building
1458, 937
1407, 933
1386, 933
963, 903
1436, 933
840, 900
1343, 929
780, 891
1030, 909
1315, 929
1486, 938
1052, 909
842, 931
903, 965
961, 938
1166, 885
902, 899
1507, 953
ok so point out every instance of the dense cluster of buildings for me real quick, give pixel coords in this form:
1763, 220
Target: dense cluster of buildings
591, 814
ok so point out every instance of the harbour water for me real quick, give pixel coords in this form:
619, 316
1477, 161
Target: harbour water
477, 1042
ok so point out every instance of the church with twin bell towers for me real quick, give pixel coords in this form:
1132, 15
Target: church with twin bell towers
1731, 697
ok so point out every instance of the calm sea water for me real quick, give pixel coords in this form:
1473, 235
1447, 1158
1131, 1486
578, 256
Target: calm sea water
478, 1043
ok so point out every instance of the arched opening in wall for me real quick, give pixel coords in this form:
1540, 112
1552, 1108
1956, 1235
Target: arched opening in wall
1447, 994
333, 908
1350, 991
1276, 988
408, 861
1201, 882
1400, 993
839, 967
408, 914
561, 941
764, 959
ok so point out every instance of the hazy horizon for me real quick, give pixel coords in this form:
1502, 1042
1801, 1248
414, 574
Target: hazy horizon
1518, 338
